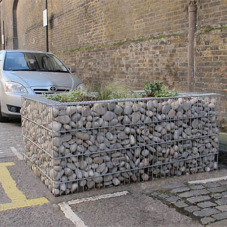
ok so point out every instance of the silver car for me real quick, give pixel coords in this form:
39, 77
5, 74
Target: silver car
31, 72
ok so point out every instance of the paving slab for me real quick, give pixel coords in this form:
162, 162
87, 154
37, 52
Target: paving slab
222, 208
206, 204
207, 220
191, 209
198, 199
205, 212
221, 201
220, 216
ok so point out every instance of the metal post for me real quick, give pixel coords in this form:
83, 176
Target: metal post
47, 42
191, 39
3, 36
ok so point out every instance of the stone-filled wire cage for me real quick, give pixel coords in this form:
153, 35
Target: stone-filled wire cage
74, 147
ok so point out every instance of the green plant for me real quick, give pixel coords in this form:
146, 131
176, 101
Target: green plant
114, 90
72, 96
157, 89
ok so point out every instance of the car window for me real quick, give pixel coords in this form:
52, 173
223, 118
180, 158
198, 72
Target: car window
23, 61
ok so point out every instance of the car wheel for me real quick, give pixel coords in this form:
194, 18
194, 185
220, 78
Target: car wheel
3, 119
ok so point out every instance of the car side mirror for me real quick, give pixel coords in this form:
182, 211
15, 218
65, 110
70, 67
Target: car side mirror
72, 69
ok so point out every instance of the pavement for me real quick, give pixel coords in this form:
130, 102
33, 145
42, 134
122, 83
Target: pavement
25, 201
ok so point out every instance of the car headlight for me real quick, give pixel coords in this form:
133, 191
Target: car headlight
81, 87
13, 87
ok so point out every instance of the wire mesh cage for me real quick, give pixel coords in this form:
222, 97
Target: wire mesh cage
74, 147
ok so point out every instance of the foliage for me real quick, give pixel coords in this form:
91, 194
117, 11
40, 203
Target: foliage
114, 90
157, 89
72, 96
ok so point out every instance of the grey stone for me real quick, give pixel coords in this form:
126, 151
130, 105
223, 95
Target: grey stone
109, 136
205, 212
136, 117
71, 110
224, 182
191, 209
206, 204
56, 126
65, 119
221, 201
135, 107
111, 106
150, 105
100, 108
172, 186
222, 208
194, 193
171, 114
116, 181
196, 186
217, 189
98, 160
57, 141
186, 105
55, 112
175, 105
212, 184
178, 190
166, 109
76, 117
118, 110
108, 116
172, 199
132, 140
176, 134
158, 128
180, 204
145, 152
86, 111
207, 220
66, 137
82, 136
101, 168
220, 216
128, 110
198, 199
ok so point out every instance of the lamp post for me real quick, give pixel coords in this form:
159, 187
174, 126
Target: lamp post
45, 24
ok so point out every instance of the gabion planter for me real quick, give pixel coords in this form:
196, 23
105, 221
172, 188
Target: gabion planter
73, 147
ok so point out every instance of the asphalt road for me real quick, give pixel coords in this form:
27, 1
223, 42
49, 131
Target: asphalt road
30, 203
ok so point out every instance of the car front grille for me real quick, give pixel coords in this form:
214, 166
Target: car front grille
48, 91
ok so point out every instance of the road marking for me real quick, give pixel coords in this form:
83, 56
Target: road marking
18, 199
73, 217
95, 198
19, 156
207, 180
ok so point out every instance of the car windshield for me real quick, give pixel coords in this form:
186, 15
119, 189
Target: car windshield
24, 61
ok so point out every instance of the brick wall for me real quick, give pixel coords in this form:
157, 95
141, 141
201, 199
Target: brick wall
128, 40
211, 65
6, 16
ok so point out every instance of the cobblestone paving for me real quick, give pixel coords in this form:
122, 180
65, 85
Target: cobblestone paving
204, 202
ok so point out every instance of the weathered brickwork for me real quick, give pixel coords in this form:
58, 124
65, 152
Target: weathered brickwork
134, 63
110, 39
211, 65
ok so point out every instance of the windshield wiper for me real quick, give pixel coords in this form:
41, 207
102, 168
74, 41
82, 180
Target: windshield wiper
23, 70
